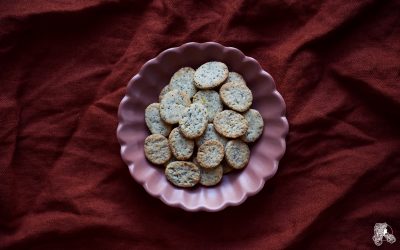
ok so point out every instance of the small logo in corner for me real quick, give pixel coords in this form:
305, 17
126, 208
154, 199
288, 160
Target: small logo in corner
381, 234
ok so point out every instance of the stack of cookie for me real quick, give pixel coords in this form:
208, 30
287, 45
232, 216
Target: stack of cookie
202, 124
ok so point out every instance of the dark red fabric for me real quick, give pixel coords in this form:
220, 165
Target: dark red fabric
64, 66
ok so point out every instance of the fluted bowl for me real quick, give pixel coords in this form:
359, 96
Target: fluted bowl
144, 88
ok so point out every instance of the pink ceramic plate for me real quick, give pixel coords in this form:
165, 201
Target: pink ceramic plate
144, 89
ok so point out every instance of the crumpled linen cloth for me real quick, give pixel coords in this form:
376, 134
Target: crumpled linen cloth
64, 66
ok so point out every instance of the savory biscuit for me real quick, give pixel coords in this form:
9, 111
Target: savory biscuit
210, 134
237, 154
225, 167
173, 105
210, 75
154, 122
183, 173
211, 101
183, 80
230, 124
164, 90
236, 96
182, 148
193, 121
235, 77
210, 154
170, 160
156, 149
211, 176
256, 125
194, 160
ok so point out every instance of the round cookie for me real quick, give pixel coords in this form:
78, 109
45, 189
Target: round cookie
194, 160
164, 90
237, 154
235, 77
256, 125
225, 167
182, 173
211, 100
211, 176
182, 148
156, 149
230, 124
211, 134
170, 160
183, 80
154, 122
236, 96
210, 154
173, 105
193, 121
210, 75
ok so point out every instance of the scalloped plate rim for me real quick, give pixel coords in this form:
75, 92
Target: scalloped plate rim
202, 207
